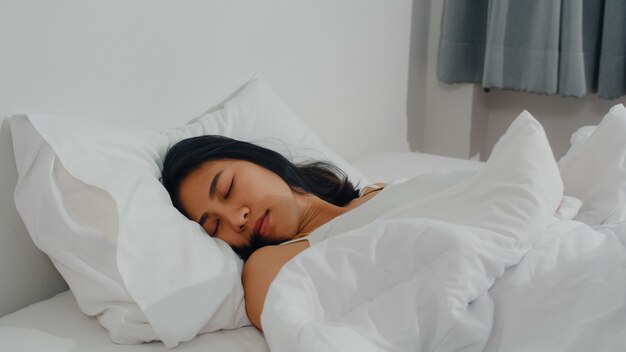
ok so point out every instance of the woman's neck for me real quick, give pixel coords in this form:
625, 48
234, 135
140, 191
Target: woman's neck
315, 212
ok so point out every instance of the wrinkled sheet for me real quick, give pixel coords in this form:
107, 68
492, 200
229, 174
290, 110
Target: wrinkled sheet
438, 264
567, 294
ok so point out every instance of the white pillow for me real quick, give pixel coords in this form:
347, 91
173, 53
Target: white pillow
594, 170
90, 197
581, 136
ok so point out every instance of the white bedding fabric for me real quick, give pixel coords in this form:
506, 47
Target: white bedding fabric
415, 284
57, 325
480, 264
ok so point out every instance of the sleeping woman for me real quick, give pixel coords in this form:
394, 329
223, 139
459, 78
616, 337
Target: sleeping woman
257, 201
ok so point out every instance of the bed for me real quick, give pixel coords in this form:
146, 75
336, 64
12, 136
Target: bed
572, 279
57, 324
84, 79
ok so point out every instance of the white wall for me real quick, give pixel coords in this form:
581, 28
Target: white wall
336, 63
463, 121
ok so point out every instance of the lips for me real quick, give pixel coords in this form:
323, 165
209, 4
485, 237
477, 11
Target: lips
260, 226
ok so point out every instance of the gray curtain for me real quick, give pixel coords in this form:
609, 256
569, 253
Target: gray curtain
565, 47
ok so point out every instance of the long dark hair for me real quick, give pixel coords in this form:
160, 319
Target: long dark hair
322, 179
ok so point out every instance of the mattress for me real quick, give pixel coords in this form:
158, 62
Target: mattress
57, 325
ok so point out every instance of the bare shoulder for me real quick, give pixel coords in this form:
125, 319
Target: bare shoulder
260, 270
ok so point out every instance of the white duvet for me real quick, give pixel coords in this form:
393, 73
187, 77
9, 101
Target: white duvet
438, 264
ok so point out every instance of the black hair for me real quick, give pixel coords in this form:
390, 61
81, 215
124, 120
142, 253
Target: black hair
322, 179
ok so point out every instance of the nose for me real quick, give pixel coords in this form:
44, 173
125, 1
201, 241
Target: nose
238, 217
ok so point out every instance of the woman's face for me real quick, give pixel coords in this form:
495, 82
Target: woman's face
241, 203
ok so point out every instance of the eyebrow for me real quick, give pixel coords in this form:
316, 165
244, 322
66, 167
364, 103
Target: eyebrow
212, 188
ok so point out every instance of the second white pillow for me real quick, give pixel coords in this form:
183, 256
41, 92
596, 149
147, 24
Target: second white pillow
595, 171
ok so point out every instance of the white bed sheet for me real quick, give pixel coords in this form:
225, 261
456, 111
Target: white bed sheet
57, 325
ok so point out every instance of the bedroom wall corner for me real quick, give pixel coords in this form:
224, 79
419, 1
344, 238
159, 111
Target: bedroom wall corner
418, 64
450, 112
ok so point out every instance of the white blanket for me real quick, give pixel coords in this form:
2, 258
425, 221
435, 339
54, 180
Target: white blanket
567, 294
435, 265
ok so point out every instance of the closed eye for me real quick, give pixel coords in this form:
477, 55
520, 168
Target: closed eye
230, 188
217, 226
